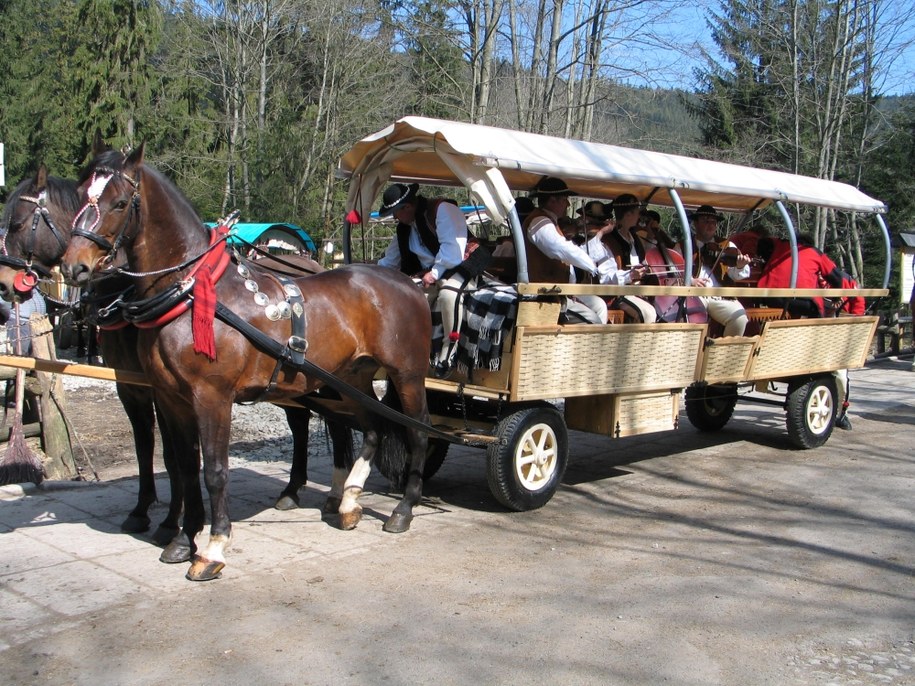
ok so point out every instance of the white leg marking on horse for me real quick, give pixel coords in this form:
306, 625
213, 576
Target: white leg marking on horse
352, 488
358, 474
216, 548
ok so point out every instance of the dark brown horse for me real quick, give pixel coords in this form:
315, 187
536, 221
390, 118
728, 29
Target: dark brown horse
34, 233
36, 230
356, 320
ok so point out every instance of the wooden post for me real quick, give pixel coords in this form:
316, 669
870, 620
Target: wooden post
55, 437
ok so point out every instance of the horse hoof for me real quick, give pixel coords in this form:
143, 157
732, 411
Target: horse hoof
175, 552
135, 525
165, 535
331, 506
349, 520
287, 502
397, 523
204, 570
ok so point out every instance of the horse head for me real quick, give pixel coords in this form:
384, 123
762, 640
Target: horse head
34, 231
132, 215
108, 214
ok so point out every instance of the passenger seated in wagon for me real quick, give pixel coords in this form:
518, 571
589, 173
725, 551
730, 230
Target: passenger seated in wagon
715, 260
624, 253
814, 269
550, 255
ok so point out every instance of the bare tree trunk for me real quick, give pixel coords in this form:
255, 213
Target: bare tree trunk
551, 76
536, 93
521, 112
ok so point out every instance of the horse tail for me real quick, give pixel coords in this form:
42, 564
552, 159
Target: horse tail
341, 438
393, 456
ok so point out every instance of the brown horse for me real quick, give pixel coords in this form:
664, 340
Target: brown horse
350, 322
34, 233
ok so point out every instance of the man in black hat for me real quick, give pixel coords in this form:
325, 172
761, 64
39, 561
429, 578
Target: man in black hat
429, 244
709, 269
550, 253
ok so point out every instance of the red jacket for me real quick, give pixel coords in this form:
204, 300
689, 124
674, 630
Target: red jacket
814, 268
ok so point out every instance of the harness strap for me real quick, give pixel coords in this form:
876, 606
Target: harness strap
268, 346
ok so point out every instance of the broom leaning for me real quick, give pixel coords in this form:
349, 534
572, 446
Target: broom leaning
19, 464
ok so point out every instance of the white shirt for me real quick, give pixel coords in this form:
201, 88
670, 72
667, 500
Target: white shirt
735, 273
547, 238
611, 273
451, 231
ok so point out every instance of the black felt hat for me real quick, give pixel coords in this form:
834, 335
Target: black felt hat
706, 211
396, 196
626, 201
595, 211
550, 185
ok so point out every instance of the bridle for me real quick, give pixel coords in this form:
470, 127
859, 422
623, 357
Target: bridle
39, 214
101, 176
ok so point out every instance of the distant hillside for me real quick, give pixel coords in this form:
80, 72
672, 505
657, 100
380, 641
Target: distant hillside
646, 118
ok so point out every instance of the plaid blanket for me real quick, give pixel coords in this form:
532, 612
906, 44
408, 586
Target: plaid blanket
489, 313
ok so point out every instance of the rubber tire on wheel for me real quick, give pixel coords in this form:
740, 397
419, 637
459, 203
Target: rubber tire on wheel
709, 407
811, 412
527, 465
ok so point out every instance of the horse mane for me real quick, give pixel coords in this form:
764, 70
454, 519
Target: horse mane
116, 160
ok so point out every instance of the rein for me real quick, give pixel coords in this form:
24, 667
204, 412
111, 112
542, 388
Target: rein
284, 354
175, 300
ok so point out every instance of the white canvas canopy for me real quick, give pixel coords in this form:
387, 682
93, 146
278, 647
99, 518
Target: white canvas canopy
492, 162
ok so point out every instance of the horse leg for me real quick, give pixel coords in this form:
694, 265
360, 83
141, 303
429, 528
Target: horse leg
350, 510
187, 457
92, 349
169, 527
413, 399
342, 440
140, 414
298, 420
215, 422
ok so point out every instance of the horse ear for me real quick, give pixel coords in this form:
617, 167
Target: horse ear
135, 158
41, 178
98, 144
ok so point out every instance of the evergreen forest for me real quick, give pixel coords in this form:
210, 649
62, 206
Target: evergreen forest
249, 104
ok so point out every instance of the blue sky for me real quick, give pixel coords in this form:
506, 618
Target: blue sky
686, 27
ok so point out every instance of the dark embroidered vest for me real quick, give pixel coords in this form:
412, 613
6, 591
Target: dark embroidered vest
540, 268
425, 229
622, 249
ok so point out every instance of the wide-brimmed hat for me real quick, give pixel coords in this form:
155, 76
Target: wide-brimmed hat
395, 196
550, 185
706, 211
595, 211
625, 201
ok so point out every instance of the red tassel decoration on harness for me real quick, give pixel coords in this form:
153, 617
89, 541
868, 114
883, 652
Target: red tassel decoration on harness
353, 217
204, 312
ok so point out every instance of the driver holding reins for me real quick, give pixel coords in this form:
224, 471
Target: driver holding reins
429, 245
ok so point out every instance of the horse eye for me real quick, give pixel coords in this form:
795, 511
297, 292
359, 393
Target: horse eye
120, 205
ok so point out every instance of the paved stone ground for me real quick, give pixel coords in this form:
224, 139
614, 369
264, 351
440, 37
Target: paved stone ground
680, 558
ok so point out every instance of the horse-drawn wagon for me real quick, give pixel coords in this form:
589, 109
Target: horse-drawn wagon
618, 379
206, 327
